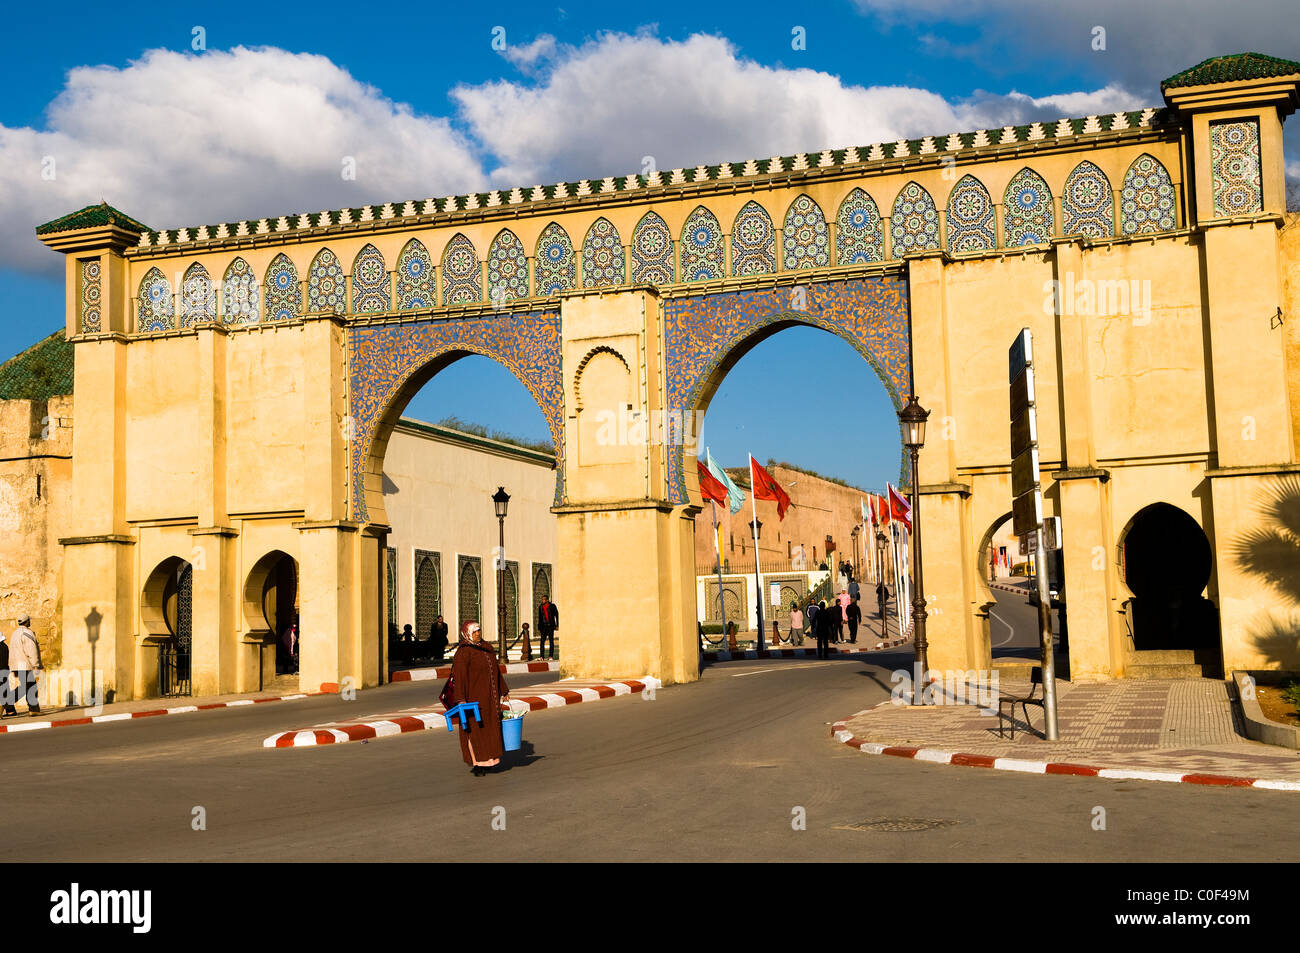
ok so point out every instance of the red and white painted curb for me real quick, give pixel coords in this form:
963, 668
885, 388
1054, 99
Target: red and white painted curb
725, 655
511, 668
152, 713
841, 733
434, 719
1007, 587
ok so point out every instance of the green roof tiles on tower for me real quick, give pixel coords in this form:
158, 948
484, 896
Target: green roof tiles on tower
1228, 69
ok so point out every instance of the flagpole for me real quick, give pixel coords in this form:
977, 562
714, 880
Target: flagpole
758, 578
717, 559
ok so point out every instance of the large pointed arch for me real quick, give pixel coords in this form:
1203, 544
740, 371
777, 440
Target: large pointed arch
602, 256
971, 223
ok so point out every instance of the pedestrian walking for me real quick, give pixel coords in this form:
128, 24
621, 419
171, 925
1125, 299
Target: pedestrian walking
438, 636
25, 662
836, 615
6, 684
548, 620
822, 629
289, 639
476, 677
853, 616
810, 616
796, 624
855, 591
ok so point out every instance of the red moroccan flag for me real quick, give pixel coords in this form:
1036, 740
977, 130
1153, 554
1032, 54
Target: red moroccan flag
899, 508
881, 508
766, 488
710, 488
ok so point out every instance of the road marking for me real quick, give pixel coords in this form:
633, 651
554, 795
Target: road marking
782, 668
1011, 632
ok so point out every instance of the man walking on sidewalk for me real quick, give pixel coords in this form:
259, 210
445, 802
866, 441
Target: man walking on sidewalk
25, 661
548, 620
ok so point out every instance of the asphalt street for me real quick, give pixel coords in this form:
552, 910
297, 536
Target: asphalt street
723, 769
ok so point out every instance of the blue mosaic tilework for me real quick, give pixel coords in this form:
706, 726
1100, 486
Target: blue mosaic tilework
415, 277
462, 278
805, 239
652, 251
914, 224
382, 358
1234, 167
90, 294
1088, 203
555, 265
753, 242
507, 268
701, 331
1027, 213
370, 286
859, 231
198, 297
239, 294
703, 256
1146, 203
326, 289
283, 292
971, 224
156, 308
602, 256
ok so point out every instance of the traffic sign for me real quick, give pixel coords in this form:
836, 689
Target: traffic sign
1027, 513
1024, 472
1021, 354
1022, 392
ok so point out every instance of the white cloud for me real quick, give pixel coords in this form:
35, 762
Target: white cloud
176, 139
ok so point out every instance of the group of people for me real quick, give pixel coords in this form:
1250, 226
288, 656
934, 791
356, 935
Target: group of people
20, 660
435, 647
826, 623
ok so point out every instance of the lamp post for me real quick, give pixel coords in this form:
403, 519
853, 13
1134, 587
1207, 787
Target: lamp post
500, 501
853, 535
881, 542
912, 420
756, 527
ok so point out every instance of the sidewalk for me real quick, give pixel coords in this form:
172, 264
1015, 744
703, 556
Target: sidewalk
1158, 730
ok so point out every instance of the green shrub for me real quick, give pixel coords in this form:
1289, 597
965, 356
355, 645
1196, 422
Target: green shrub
1291, 693
713, 628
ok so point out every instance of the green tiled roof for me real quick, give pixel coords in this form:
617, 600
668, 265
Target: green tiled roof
1227, 69
42, 371
92, 216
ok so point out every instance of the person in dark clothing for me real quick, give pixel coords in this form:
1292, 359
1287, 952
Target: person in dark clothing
824, 628
476, 677
853, 615
6, 688
548, 620
438, 636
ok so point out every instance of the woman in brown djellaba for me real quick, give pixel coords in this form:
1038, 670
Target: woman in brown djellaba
476, 677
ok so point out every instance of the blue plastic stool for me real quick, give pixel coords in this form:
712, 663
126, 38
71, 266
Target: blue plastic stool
464, 709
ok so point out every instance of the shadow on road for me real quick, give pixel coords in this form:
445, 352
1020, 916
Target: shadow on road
521, 758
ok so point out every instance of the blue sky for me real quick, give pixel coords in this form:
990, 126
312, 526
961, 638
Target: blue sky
255, 123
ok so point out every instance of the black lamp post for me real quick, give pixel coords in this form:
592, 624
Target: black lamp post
853, 535
912, 419
756, 529
500, 501
881, 542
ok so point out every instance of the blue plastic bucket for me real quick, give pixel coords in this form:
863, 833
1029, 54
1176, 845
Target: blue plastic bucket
512, 730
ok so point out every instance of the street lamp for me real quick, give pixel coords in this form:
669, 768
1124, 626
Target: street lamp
853, 535
756, 529
881, 542
500, 502
912, 420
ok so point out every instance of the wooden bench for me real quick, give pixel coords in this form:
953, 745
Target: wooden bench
1033, 698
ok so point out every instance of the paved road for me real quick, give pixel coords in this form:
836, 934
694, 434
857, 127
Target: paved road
710, 771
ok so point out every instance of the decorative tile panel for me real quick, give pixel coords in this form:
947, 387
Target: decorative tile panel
156, 308
702, 330
371, 293
239, 294
415, 277
507, 268
971, 222
753, 242
283, 292
1146, 203
1088, 204
652, 251
805, 239
602, 256
462, 277
859, 231
1027, 215
703, 255
1234, 165
90, 295
383, 357
914, 224
198, 298
555, 263
326, 289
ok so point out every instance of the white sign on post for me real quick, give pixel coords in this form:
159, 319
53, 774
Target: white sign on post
776, 594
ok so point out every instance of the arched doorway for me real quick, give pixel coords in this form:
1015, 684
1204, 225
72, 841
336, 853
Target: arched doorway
428, 592
1166, 562
167, 617
271, 611
469, 592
